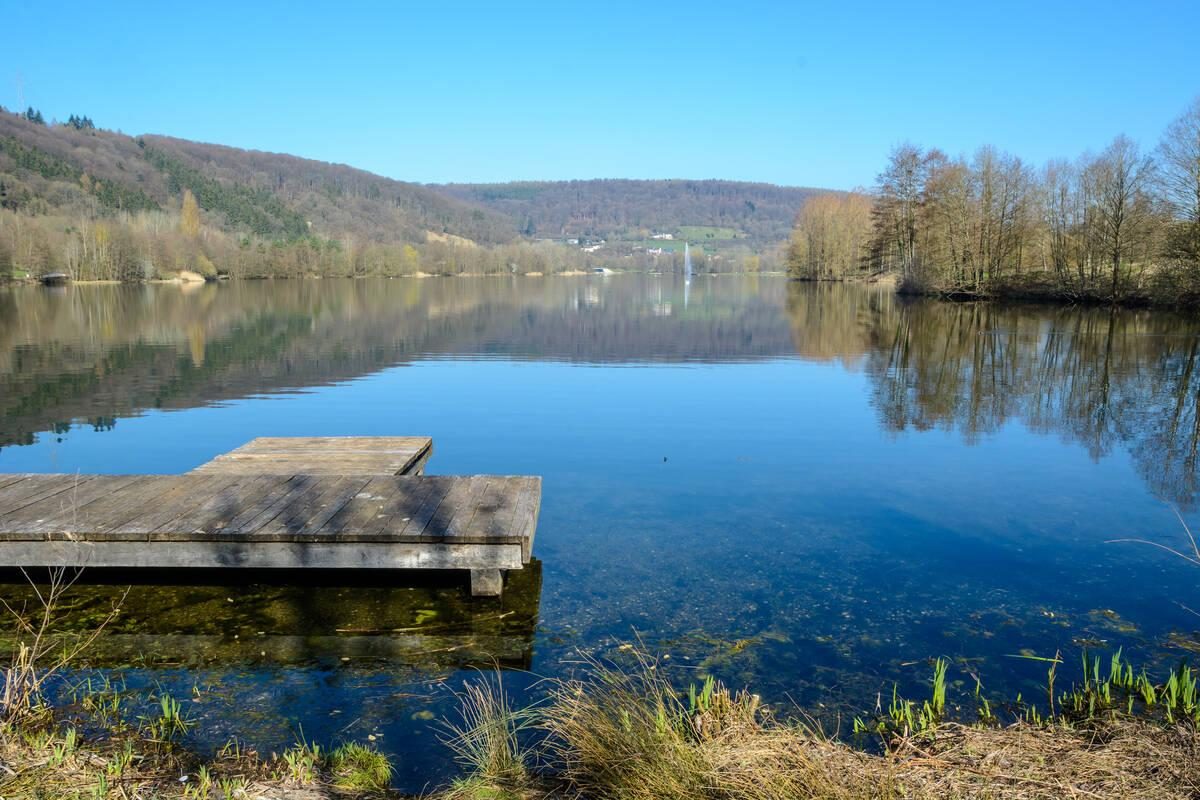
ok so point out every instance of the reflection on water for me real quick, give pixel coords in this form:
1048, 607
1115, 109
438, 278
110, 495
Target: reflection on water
92, 354
809, 489
1102, 378
262, 619
269, 657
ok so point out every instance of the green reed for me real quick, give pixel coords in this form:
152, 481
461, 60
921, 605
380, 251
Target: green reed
1109, 689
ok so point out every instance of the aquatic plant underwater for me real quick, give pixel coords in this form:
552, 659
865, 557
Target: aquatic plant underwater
634, 731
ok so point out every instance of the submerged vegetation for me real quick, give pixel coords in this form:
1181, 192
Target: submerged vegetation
631, 734
642, 730
63, 735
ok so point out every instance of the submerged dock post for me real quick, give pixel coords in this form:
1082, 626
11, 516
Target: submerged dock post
486, 583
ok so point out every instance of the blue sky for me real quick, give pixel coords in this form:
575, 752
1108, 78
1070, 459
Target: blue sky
798, 93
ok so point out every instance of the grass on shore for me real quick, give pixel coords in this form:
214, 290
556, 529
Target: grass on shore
94, 746
42, 760
631, 736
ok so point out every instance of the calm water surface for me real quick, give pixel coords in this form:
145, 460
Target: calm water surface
810, 490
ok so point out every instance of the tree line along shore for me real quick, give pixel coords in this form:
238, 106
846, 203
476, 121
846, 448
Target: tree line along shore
1119, 226
97, 204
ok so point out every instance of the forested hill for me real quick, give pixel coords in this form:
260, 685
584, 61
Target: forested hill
101, 205
72, 170
761, 213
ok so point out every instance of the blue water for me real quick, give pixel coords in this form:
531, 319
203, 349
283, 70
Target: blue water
807, 490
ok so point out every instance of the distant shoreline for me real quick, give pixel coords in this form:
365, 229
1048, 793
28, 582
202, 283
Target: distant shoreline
1165, 298
1034, 294
30, 281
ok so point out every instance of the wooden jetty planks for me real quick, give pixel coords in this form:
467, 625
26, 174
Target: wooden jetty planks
480, 509
63, 511
325, 455
329, 502
319, 503
225, 501
37, 487
525, 518
263, 555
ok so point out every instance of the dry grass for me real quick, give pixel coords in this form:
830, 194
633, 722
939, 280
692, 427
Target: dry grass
633, 737
486, 741
1127, 759
40, 655
616, 736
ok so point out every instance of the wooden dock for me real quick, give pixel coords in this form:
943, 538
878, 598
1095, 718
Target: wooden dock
242, 511
325, 455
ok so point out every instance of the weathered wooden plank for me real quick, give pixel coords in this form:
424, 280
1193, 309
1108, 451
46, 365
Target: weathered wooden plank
224, 501
325, 455
288, 493
496, 507
525, 517
180, 498
449, 508
468, 509
10, 479
106, 517
263, 555
430, 502
14, 496
393, 514
63, 512
47, 491
475, 510
24, 484
361, 510
271, 489
315, 502
347, 492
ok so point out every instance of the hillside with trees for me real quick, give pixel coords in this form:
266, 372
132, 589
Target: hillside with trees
98, 204
761, 214
1121, 225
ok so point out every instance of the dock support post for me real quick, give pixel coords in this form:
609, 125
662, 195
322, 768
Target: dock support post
486, 582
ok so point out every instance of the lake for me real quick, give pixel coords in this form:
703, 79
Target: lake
807, 489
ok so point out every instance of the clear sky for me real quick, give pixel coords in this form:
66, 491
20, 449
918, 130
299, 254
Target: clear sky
789, 92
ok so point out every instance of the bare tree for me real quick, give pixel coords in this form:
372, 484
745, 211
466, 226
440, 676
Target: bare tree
901, 195
830, 239
1059, 189
1123, 208
1179, 178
